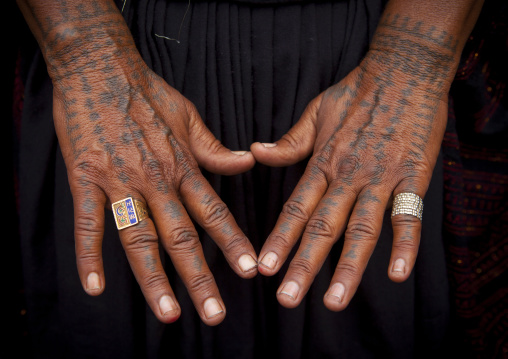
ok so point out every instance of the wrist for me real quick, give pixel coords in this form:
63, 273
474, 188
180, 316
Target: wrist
414, 53
88, 45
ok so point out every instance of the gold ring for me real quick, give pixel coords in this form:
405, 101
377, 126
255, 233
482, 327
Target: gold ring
129, 212
408, 203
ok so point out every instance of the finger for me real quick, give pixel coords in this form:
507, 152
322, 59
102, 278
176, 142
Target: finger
210, 153
296, 145
141, 246
323, 229
361, 236
89, 203
214, 216
406, 238
181, 242
292, 220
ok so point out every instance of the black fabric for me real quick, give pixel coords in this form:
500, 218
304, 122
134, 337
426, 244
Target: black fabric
250, 70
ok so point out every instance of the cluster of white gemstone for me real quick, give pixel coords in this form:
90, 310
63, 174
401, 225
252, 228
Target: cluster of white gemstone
408, 203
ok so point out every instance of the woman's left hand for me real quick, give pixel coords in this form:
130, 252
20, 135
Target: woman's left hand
374, 135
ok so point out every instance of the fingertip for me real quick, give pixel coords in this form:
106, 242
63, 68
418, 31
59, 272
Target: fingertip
247, 266
268, 154
169, 310
228, 162
269, 263
398, 271
289, 294
335, 297
94, 284
262, 146
214, 311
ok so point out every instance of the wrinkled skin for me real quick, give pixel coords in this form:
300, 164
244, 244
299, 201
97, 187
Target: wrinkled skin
374, 135
124, 132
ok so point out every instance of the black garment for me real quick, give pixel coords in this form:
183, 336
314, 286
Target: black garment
250, 70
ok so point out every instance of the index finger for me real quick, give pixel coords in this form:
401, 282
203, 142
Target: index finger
293, 219
213, 215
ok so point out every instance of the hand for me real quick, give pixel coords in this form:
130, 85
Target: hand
375, 134
125, 133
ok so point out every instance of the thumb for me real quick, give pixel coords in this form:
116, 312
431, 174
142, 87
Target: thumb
210, 153
295, 145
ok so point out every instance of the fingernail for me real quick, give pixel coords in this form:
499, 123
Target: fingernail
337, 290
399, 265
212, 308
270, 260
93, 281
167, 304
269, 145
246, 263
290, 289
239, 153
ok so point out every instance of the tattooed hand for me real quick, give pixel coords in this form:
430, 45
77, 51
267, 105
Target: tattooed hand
125, 133
375, 134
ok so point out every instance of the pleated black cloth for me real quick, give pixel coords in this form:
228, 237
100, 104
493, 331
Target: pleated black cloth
250, 69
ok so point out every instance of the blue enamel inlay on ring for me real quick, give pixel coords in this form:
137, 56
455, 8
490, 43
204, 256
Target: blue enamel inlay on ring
130, 211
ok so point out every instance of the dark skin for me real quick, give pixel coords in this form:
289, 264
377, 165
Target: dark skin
374, 135
125, 132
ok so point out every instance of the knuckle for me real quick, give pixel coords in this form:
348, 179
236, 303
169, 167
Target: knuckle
92, 167
236, 244
320, 227
200, 282
320, 163
405, 245
87, 257
187, 171
154, 281
405, 220
302, 266
214, 146
87, 225
280, 241
361, 230
153, 170
215, 213
349, 165
139, 238
295, 210
183, 238
348, 269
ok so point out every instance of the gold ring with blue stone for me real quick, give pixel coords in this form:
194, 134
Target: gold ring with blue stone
129, 212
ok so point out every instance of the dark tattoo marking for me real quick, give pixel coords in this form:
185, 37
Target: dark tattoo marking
227, 229
98, 129
306, 252
123, 177
338, 191
150, 263
174, 209
284, 227
351, 253
89, 205
83, 181
87, 243
198, 263
367, 197
118, 162
207, 199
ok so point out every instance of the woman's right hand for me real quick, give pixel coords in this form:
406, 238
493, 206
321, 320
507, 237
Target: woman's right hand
124, 132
